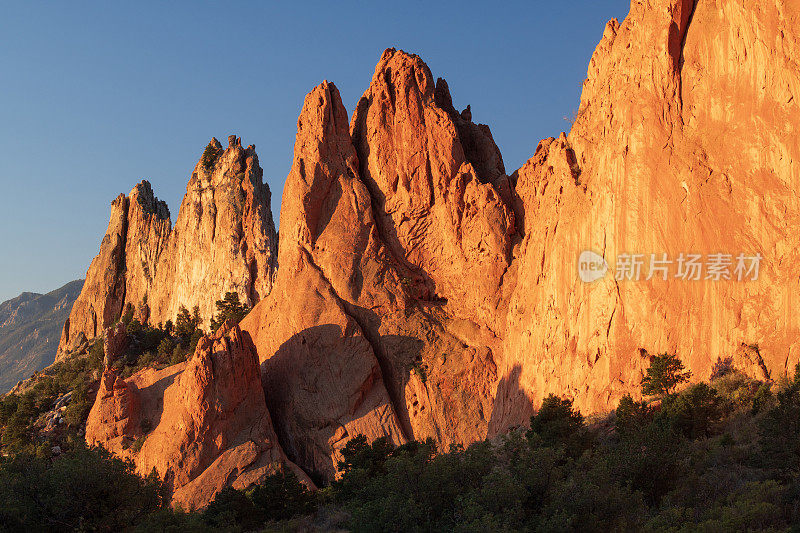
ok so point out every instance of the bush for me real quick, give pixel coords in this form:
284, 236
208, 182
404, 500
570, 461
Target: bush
79, 406
694, 411
358, 454
232, 508
84, 489
127, 315
196, 336
558, 424
229, 308
166, 347
210, 156
186, 325
722, 367
631, 414
96, 354
178, 355
736, 390
648, 459
762, 399
665, 373
780, 431
282, 496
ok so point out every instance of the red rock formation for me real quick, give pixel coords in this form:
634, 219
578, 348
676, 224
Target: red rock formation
683, 144
372, 251
203, 424
224, 240
103, 293
115, 418
464, 281
422, 292
322, 376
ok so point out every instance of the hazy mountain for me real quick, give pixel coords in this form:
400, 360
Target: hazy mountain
30, 326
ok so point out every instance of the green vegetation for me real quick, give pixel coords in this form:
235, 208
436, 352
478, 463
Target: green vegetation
81, 490
162, 345
718, 456
229, 308
210, 156
22, 427
665, 373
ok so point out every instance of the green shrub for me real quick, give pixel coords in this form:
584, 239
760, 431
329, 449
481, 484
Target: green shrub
195, 339
210, 155
137, 444
558, 424
229, 308
694, 411
631, 415
96, 354
178, 355
84, 490
664, 374
762, 399
166, 347
735, 389
231, 509
421, 370
282, 496
127, 315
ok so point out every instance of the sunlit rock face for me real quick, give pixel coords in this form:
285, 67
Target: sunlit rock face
224, 240
685, 142
463, 281
424, 291
202, 425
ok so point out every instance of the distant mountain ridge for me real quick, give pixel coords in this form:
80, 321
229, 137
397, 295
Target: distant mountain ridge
30, 326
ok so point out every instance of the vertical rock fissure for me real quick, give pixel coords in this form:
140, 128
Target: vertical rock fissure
374, 342
683, 44
373, 338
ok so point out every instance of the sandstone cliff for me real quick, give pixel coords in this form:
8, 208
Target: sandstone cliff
223, 240
685, 142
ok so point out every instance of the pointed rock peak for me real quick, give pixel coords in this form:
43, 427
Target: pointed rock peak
398, 72
322, 153
442, 96
142, 194
401, 85
323, 114
234, 141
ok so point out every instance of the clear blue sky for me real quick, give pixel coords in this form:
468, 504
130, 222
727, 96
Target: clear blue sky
97, 96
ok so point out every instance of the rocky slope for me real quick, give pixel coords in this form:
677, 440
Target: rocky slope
30, 325
223, 240
425, 292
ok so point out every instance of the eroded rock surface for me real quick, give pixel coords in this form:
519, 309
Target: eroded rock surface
202, 425
224, 240
464, 280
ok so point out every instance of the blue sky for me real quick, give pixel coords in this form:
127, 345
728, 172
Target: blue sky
97, 96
